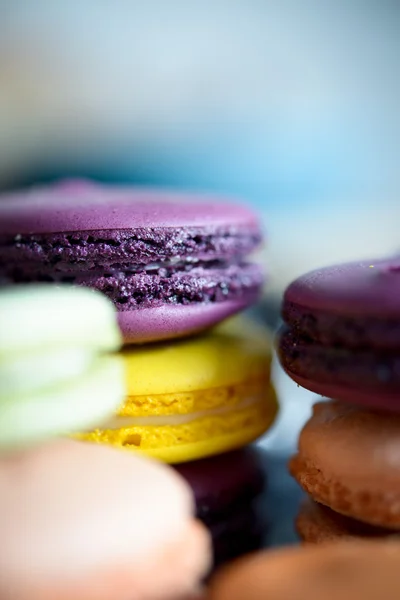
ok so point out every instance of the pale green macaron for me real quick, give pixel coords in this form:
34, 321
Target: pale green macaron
57, 371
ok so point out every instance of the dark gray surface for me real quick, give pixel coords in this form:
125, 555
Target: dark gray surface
280, 503
282, 497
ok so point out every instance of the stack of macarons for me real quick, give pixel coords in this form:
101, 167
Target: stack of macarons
59, 373
177, 269
341, 339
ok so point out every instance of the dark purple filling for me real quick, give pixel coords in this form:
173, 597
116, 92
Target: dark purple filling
338, 330
142, 290
323, 364
141, 268
107, 248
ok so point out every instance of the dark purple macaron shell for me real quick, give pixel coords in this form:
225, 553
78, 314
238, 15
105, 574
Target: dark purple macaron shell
341, 336
171, 263
229, 490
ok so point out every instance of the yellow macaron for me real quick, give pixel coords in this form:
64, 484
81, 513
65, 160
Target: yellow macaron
195, 398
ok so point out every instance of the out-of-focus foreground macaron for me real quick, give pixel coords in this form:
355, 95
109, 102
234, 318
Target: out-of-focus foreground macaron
363, 570
195, 398
92, 523
172, 263
57, 373
229, 490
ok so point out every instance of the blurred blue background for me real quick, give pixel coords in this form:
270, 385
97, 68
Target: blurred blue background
291, 106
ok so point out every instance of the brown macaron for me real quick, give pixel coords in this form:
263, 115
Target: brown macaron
349, 459
318, 524
363, 570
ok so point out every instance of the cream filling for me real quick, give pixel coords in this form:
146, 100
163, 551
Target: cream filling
118, 422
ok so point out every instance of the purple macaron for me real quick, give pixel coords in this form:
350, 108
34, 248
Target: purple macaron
341, 337
230, 493
173, 264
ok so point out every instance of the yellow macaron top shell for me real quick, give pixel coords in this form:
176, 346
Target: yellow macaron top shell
196, 374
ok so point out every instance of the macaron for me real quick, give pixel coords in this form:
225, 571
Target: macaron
57, 370
318, 524
363, 570
172, 263
341, 337
195, 398
229, 490
91, 523
347, 459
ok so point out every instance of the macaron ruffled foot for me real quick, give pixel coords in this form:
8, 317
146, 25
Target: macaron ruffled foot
195, 398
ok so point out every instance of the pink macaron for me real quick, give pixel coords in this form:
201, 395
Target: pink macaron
92, 523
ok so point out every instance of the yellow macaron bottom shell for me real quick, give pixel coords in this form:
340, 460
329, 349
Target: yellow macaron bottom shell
181, 438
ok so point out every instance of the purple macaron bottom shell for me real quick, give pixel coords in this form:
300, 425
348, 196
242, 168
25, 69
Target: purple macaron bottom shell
174, 321
370, 379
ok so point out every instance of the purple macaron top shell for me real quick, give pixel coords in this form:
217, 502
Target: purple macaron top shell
79, 205
369, 288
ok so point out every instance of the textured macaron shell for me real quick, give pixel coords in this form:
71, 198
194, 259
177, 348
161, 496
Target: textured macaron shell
84, 206
365, 377
362, 570
348, 460
342, 331
196, 397
145, 249
190, 437
318, 524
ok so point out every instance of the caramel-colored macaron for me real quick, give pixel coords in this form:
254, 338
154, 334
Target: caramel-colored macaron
364, 570
349, 459
317, 524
